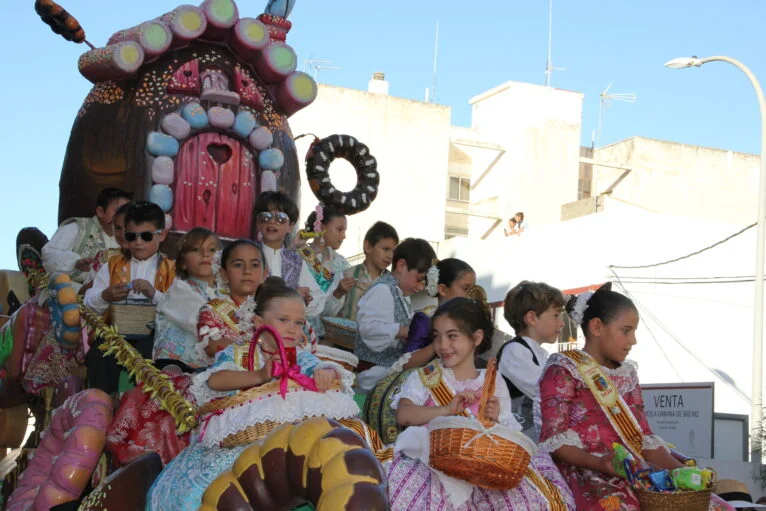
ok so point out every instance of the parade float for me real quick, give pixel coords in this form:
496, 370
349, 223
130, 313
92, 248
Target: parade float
190, 111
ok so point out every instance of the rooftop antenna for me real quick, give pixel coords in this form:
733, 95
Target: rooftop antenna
605, 102
431, 94
315, 66
549, 68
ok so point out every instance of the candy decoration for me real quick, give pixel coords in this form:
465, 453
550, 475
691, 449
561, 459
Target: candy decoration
154, 37
65, 312
154, 382
67, 455
60, 21
127, 487
249, 38
221, 16
322, 153
186, 22
317, 460
113, 62
298, 91
276, 62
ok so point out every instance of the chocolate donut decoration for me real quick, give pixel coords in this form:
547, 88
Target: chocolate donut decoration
320, 156
317, 460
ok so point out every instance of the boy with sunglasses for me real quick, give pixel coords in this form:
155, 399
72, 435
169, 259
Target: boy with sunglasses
275, 215
143, 272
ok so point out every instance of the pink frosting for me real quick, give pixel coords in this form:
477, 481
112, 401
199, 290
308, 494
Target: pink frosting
67, 455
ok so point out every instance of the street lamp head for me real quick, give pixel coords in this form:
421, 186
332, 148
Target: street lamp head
683, 62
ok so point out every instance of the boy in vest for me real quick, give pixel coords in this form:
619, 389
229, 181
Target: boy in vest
534, 310
379, 244
141, 273
385, 310
74, 246
145, 273
275, 215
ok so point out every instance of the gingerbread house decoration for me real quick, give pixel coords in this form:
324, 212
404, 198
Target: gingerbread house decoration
189, 111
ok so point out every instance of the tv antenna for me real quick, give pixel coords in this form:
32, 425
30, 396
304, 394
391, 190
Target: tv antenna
605, 102
549, 68
431, 95
314, 66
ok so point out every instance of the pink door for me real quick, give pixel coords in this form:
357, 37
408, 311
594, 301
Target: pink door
215, 186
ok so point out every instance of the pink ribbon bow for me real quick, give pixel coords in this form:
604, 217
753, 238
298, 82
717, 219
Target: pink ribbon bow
283, 369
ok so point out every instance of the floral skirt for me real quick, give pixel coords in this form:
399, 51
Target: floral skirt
413, 486
185, 479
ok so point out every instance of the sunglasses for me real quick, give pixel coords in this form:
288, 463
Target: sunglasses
267, 216
147, 236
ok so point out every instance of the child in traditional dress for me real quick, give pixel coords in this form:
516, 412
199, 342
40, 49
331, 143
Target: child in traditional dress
145, 273
590, 399
379, 244
535, 312
175, 338
325, 391
227, 319
328, 227
385, 311
450, 386
275, 215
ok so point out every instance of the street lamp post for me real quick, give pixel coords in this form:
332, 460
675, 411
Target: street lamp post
757, 389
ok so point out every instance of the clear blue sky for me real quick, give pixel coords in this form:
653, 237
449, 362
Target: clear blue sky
482, 44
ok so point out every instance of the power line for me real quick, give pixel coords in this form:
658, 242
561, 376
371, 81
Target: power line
686, 256
676, 339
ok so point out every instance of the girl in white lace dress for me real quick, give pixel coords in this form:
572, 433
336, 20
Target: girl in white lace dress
460, 326
184, 480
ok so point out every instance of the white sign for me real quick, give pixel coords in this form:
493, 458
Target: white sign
682, 414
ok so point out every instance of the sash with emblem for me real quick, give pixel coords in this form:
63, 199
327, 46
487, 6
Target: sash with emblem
609, 399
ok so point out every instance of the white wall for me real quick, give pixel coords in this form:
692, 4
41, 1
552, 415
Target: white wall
410, 140
539, 127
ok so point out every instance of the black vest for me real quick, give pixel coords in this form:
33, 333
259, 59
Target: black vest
513, 389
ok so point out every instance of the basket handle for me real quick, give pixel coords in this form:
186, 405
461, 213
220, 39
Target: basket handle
256, 339
487, 391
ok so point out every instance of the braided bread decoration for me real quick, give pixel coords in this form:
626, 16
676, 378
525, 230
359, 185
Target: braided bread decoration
317, 460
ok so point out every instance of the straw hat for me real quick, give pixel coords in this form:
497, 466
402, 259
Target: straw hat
735, 493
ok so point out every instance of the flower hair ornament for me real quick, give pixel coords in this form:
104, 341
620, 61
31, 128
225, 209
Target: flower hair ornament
216, 265
320, 216
432, 278
580, 306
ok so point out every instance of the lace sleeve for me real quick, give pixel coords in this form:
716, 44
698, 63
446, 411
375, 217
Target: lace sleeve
199, 388
555, 442
413, 390
652, 442
346, 377
398, 366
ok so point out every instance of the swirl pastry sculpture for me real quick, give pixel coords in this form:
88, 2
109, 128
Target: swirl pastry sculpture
317, 460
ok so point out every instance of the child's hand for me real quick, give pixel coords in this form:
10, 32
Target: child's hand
492, 409
115, 292
459, 402
306, 294
84, 264
144, 287
605, 465
324, 378
344, 286
404, 331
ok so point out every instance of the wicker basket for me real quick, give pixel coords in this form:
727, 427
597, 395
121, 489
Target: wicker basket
253, 432
133, 317
676, 501
347, 360
497, 460
341, 332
